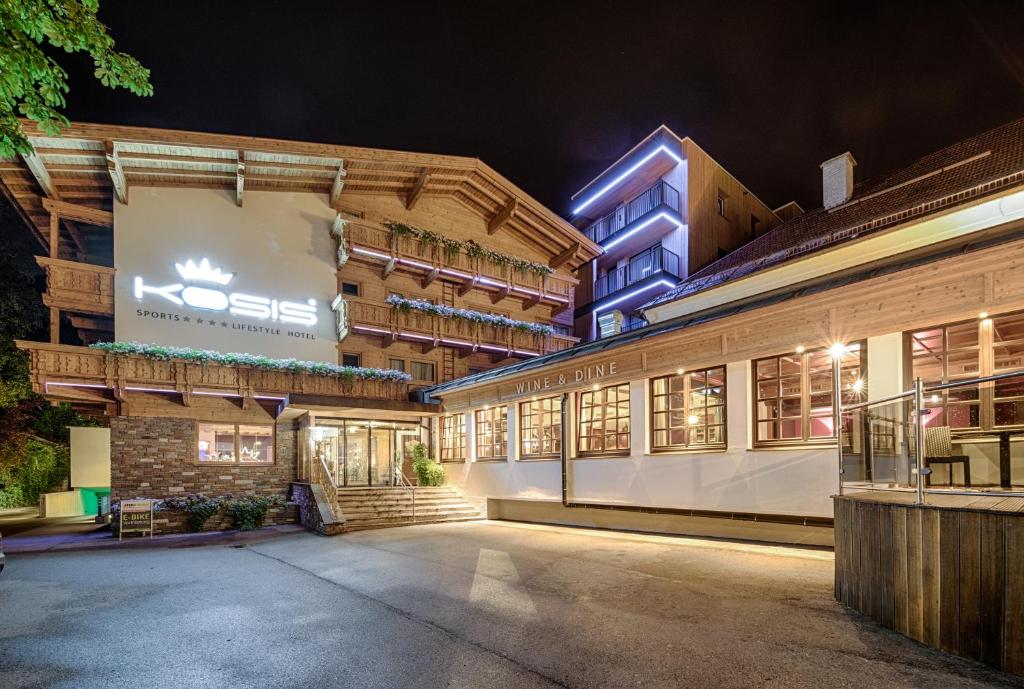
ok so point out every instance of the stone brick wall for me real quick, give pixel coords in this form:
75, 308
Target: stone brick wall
155, 457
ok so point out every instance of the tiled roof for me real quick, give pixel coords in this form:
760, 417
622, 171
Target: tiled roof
975, 167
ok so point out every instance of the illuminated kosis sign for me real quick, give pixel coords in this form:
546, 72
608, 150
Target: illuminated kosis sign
235, 303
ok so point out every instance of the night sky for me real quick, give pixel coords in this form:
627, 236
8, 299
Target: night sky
550, 93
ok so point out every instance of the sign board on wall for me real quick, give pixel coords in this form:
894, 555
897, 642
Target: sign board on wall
193, 269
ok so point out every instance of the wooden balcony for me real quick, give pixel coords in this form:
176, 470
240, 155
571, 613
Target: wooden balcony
78, 287
92, 375
377, 245
382, 320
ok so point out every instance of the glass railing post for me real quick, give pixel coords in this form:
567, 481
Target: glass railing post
920, 470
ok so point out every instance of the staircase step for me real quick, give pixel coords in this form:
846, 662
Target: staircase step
387, 523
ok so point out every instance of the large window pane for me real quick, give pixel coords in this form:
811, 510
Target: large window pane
604, 420
540, 428
491, 433
216, 442
256, 444
453, 438
689, 408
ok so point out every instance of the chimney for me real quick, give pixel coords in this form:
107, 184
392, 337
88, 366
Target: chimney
837, 180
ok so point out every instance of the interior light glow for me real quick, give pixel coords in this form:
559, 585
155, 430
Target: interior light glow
627, 235
799, 349
679, 371
595, 386
837, 350
986, 322
692, 420
611, 185
983, 315
936, 399
857, 385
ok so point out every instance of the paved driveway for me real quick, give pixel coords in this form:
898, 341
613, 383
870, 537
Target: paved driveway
473, 605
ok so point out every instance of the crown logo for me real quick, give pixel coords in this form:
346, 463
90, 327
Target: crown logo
203, 272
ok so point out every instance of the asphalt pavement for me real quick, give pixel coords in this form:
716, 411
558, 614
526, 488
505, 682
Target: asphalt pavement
473, 605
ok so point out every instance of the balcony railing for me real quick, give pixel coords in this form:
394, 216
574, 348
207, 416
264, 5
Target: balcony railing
381, 320
633, 322
642, 266
661, 194
377, 244
78, 287
79, 372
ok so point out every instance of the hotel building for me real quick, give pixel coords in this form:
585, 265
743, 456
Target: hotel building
428, 267
661, 212
718, 416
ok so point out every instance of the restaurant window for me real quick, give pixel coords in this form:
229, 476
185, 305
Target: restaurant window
453, 438
688, 410
422, 370
350, 359
603, 426
961, 351
491, 433
397, 364
350, 289
794, 394
540, 428
227, 443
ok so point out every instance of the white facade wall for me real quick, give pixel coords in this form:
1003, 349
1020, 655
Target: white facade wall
790, 481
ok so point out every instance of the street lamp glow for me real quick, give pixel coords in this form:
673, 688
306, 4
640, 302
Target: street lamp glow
837, 350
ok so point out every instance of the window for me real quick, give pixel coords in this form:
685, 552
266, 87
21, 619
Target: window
350, 289
947, 353
397, 364
794, 394
492, 433
603, 426
349, 359
688, 410
228, 443
422, 370
721, 202
453, 438
540, 428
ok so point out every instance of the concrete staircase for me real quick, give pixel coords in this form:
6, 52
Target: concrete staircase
381, 507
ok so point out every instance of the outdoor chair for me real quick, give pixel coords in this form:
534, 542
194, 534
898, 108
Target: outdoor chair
938, 449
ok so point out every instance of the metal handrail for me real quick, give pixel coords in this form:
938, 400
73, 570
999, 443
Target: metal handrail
882, 400
977, 381
400, 480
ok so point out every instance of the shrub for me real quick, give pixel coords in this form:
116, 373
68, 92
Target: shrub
250, 511
428, 471
198, 508
29, 468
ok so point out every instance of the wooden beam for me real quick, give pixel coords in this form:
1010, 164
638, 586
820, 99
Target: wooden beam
389, 268
430, 277
465, 287
417, 189
338, 184
565, 256
75, 211
556, 310
54, 235
240, 179
501, 294
54, 325
430, 346
91, 323
503, 216
531, 302
42, 177
116, 172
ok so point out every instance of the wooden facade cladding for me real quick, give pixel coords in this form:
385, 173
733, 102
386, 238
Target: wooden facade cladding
390, 324
92, 164
78, 287
81, 373
945, 574
946, 290
377, 245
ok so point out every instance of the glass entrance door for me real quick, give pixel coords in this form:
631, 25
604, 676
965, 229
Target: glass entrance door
362, 453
